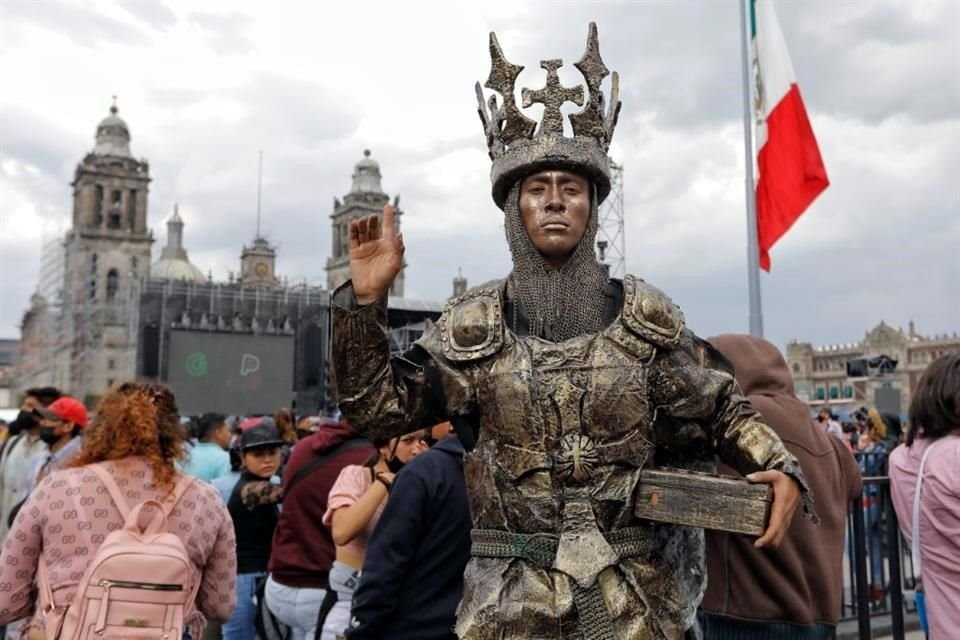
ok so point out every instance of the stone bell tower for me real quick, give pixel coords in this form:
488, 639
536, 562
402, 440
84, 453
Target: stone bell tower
106, 252
366, 197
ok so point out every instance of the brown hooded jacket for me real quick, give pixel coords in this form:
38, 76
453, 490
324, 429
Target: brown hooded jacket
802, 581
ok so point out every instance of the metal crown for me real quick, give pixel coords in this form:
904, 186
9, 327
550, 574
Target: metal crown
505, 124
515, 141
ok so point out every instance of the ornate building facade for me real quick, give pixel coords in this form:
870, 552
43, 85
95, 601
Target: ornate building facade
821, 373
88, 340
366, 197
104, 313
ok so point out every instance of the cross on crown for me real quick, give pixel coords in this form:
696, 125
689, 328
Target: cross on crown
552, 97
503, 122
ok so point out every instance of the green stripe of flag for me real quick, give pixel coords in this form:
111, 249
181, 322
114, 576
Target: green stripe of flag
753, 19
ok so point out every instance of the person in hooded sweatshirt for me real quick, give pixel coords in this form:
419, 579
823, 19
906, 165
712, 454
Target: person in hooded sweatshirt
795, 591
303, 550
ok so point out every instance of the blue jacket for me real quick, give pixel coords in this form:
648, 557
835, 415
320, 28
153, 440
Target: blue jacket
412, 578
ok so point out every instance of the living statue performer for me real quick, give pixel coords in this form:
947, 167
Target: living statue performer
569, 384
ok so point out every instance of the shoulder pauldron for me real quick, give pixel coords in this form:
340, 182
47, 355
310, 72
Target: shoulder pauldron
651, 314
471, 326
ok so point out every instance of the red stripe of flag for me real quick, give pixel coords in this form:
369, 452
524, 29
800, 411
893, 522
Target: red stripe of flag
791, 170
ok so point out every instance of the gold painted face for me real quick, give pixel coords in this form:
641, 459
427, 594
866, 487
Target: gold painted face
262, 269
555, 209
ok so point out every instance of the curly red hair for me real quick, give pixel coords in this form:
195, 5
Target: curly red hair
136, 419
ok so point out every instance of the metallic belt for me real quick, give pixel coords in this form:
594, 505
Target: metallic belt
541, 549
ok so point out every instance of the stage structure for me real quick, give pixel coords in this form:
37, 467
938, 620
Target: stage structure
249, 350
611, 240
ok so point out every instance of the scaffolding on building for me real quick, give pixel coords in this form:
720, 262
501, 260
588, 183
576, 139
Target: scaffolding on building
611, 240
50, 288
50, 280
402, 338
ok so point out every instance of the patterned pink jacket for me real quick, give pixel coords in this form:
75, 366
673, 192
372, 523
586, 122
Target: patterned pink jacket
70, 513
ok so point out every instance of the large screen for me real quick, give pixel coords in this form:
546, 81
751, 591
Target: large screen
230, 373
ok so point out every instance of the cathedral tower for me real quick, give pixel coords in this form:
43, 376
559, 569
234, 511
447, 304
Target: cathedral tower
106, 251
366, 197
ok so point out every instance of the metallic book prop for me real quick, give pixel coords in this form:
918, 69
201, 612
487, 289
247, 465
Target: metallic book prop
703, 500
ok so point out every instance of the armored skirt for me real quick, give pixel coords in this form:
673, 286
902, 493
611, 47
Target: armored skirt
565, 429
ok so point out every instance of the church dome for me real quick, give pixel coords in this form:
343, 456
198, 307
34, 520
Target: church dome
368, 162
176, 269
173, 263
366, 175
113, 136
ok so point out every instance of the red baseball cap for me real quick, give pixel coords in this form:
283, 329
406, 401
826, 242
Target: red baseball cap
250, 423
65, 408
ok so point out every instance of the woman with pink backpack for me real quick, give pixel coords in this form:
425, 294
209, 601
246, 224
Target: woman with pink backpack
121, 544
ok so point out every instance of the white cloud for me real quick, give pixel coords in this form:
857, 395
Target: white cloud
315, 84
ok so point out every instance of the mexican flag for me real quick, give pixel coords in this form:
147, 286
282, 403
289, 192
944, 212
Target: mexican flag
791, 171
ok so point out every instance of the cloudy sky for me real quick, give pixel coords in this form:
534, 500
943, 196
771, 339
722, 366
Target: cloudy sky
204, 86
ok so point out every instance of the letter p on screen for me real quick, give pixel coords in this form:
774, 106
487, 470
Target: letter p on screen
249, 363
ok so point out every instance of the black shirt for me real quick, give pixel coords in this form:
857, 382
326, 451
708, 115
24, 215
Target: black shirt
255, 516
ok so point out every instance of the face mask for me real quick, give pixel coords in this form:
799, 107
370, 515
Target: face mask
395, 464
49, 435
24, 422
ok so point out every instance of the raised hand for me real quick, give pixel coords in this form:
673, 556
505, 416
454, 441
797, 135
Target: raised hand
376, 255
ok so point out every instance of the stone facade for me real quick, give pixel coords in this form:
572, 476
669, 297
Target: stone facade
89, 342
105, 254
820, 373
366, 197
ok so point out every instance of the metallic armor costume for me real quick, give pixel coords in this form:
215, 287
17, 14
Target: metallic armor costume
565, 426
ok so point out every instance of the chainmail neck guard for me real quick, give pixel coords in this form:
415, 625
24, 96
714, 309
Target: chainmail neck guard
560, 303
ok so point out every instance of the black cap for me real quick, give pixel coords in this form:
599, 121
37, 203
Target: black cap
259, 437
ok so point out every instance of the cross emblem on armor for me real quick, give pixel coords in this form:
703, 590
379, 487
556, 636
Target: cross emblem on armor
552, 97
576, 455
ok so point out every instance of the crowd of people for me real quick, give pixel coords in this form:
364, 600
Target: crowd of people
866, 431
870, 436
277, 521
297, 527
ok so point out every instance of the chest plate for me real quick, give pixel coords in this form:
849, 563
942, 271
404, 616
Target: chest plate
561, 423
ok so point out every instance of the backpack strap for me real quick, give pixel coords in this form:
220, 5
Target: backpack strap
120, 500
178, 490
9, 446
915, 520
303, 472
43, 585
115, 494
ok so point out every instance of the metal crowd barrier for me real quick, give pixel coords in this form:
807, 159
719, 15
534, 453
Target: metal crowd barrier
879, 573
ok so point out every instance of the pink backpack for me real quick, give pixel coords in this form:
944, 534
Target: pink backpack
138, 585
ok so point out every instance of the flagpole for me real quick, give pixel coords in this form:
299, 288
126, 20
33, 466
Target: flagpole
753, 244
